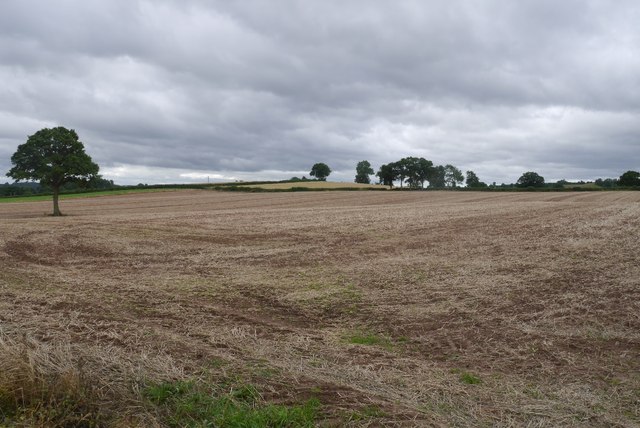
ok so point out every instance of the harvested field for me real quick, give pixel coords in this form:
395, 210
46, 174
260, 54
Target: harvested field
315, 185
392, 308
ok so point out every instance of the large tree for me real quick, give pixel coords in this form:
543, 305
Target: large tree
363, 171
452, 176
424, 170
630, 178
401, 168
387, 174
473, 181
530, 179
436, 177
411, 166
320, 171
53, 157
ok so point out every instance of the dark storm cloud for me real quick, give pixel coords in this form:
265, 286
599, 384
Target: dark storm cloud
178, 90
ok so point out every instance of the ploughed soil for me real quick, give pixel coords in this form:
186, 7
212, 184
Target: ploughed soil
433, 308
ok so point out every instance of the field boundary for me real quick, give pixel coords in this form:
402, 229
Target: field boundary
253, 187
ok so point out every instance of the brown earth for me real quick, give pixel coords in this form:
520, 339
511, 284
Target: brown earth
534, 294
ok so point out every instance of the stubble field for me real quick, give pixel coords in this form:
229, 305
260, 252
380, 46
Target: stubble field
389, 308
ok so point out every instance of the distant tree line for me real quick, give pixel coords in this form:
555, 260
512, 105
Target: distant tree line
630, 179
413, 173
35, 188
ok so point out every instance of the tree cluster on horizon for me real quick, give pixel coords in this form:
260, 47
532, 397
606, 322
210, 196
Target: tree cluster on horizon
416, 171
320, 171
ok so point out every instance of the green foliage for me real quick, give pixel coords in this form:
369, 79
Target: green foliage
185, 404
370, 339
530, 179
437, 177
54, 157
414, 170
452, 176
17, 189
95, 183
387, 174
606, 183
473, 182
402, 169
363, 171
629, 179
469, 378
472, 179
320, 171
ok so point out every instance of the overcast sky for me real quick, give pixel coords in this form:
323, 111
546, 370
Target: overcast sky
178, 90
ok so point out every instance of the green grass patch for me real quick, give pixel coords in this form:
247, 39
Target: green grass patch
466, 377
469, 379
196, 404
37, 198
369, 339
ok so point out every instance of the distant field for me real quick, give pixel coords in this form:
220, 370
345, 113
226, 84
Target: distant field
315, 185
330, 308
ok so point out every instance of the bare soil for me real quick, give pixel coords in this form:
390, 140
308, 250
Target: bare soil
535, 295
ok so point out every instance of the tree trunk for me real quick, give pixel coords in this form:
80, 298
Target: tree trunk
56, 208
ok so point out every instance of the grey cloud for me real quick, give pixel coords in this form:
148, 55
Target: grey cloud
244, 87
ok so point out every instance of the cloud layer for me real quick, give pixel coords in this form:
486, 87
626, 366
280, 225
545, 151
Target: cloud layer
174, 91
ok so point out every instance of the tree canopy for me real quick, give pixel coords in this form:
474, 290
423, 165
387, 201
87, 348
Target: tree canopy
472, 179
630, 179
320, 171
530, 179
386, 174
473, 182
415, 171
363, 171
53, 157
436, 177
452, 176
